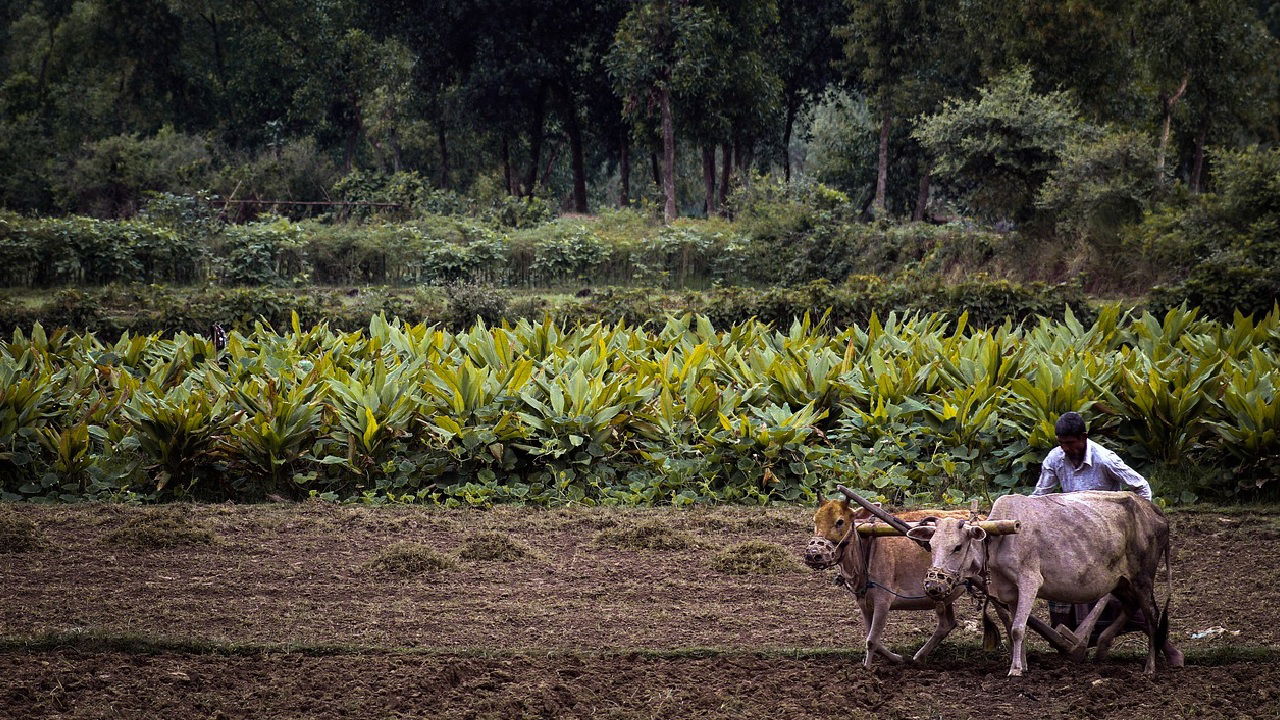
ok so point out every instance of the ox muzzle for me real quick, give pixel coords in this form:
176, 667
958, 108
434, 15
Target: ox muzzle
821, 553
939, 583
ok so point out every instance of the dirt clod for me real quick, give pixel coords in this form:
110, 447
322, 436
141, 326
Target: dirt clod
755, 557
407, 558
645, 535
18, 533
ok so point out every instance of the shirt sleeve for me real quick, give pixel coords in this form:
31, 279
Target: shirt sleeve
1120, 472
1048, 479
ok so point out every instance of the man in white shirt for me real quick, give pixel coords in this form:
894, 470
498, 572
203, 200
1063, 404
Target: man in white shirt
1078, 463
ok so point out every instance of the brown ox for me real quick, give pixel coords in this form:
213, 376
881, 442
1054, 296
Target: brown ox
1073, 547
883, 574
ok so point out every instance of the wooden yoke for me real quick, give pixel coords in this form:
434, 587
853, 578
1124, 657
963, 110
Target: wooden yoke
993, 527
899, 527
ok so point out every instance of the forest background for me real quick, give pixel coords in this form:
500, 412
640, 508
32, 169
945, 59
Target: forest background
1117, 146
836, 169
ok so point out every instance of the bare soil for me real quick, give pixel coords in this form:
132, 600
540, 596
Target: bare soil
284, 614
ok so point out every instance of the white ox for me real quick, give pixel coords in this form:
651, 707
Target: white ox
1073, 548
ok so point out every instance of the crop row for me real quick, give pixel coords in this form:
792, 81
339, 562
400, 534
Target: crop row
911, 408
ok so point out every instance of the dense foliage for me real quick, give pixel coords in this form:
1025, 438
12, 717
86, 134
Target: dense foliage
906, 408
602, 102
779, 240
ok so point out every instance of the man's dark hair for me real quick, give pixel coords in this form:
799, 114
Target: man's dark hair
1070, 423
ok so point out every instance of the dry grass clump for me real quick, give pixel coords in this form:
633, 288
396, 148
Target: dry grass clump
407, 558
19, 534
735, 520
755, 557
645, 535
578, 517
161, 527
491, 545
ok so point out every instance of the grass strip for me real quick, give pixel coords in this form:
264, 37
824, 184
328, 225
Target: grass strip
143, 644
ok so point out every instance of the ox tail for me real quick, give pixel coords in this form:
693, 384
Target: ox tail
990, 632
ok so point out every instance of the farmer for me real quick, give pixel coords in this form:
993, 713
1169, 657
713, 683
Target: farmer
1078, 464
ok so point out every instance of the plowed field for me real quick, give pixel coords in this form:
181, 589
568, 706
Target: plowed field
286, 614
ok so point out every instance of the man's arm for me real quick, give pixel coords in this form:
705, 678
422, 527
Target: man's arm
1048, 480
1122, 473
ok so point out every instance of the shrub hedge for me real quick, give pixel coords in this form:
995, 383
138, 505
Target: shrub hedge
619, 248
146, 309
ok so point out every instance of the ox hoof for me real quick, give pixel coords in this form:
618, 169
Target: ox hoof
1174, 656
1015, 672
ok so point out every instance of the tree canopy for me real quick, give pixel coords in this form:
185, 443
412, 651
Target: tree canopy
613, 101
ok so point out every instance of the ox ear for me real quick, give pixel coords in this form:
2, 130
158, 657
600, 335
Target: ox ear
977, 533
921, 533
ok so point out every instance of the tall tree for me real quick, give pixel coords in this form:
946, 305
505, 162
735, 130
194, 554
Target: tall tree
886, 53
1215, 56
661, 51
804, 51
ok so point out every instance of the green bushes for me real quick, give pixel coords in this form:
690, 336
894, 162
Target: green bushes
176, 243
83, 251
910, 409
110, 177
1224, 246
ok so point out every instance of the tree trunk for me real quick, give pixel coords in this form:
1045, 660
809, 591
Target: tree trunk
624, 171
537, 126
506, 165
786, 142
882, 163
668, 156
922, 197
548, 165
747, 161
726, 170
219, 63
393, 139
444, 157
574, 129
1197, 165
352, 140
709, 177
1168, 103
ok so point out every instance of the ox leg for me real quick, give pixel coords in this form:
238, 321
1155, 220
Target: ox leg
1173, 655
868, 618
1006, 619
1108, 635
879, 616
1147, 599
1028, 586
946, 623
